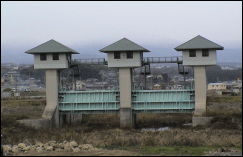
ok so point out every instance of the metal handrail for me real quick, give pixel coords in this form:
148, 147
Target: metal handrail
145, 60
174, 59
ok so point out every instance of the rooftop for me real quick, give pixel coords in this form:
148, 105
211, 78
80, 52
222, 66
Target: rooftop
51, 46
123, 45
199, 42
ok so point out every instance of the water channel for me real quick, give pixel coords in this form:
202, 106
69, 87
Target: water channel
163, 128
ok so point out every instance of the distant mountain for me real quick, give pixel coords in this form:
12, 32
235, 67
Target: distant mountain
15, 54
229, 64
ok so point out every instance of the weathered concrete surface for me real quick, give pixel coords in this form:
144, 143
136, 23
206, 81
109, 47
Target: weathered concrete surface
126, 118
37, 123
200, 120
51, 109
200, 89
73, 119
125, 82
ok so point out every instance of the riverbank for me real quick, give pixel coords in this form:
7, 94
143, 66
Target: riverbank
102, 131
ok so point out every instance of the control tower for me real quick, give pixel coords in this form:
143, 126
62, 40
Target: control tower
198, 53
125, 55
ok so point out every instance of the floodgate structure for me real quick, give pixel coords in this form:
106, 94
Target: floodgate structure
66, 106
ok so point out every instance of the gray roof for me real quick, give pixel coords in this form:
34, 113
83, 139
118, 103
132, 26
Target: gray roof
123, 45
51, 46
199, 42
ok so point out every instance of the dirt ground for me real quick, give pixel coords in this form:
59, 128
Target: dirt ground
102, 152
105, 152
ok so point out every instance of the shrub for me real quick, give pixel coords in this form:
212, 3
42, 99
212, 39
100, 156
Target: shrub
7, 90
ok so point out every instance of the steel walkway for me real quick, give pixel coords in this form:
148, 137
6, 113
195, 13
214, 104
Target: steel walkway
146, 60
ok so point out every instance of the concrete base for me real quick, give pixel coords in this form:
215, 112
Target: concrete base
127, 119
200, 120
134, 120
51, 109
73, 119
37, 123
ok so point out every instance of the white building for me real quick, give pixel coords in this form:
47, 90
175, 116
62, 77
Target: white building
52, 55
216, 86
124, 53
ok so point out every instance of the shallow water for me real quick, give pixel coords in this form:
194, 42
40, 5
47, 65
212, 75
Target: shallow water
153, 129
162, 128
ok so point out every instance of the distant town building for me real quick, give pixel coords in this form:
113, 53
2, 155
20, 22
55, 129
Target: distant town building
2, 81
236, 89
216, 86
175, 87
157, 87
80, 86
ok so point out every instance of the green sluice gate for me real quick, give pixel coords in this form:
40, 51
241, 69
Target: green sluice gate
143, 101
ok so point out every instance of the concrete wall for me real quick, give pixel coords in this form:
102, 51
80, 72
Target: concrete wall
199, 60
36, 123
200, 89
51, 109
49, 63
73, 119
127, 120
125, 81
123, 61
200, 120
5, 94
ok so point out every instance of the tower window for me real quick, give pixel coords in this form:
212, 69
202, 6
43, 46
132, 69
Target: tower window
55, 56
42, 57
192, 53
129, 54
205, 53
117, 55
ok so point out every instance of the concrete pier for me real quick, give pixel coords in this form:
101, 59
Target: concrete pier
125, 82
73, 119
200, 89
200, 96
51, 109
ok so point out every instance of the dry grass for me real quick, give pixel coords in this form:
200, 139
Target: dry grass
224, 99
102, 130
16, 133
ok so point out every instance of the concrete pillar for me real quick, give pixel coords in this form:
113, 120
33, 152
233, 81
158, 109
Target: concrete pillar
62, 120
51, 109
134, 120
125, 82
200, 96
72, 119
200, 89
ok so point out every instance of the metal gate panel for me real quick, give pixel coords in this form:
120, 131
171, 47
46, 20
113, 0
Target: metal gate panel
172, 101
143, 101
89, 101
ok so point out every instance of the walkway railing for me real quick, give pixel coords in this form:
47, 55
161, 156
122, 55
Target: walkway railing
146, 60
91, 61
174, 59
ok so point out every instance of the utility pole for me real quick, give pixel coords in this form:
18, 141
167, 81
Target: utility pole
29, 82
184, 75
16, 83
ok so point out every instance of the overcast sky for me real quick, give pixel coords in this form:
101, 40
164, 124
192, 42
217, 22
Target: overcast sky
85, 26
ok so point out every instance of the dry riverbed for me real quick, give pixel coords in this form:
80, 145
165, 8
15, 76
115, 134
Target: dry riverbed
223, 136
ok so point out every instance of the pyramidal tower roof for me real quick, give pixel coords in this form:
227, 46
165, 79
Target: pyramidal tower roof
123, 45
199, 42
51, 46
